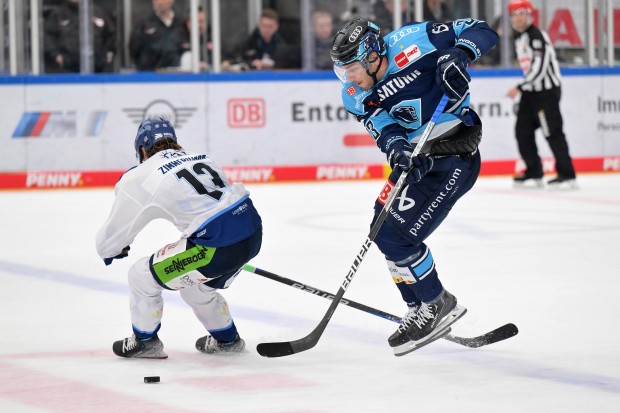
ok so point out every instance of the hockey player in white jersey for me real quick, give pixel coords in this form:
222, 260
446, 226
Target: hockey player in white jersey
220, 232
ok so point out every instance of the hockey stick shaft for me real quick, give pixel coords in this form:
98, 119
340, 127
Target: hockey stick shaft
291, 347
499, 334
316, 291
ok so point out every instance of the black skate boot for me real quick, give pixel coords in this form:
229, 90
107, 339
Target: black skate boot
562, 182
209, 345
400, 335
131, 347
519, 181
431, 322
433, 317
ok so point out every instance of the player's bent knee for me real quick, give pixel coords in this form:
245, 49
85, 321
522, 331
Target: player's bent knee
140, 278
198, 294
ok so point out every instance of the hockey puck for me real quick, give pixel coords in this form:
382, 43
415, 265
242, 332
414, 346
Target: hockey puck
151, 379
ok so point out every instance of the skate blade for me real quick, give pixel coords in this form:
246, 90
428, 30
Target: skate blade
563, 186
441, 330
156, 356
529, 184
410, 346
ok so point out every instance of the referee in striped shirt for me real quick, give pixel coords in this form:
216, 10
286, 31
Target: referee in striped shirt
539, 106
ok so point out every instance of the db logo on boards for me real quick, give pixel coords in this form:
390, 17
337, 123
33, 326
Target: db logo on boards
246, 113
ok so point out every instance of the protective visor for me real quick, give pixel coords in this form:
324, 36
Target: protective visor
349, 72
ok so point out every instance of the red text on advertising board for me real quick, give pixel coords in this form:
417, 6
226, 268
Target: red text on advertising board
246, 113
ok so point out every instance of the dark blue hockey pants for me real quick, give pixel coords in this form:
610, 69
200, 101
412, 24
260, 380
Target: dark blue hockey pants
418, 210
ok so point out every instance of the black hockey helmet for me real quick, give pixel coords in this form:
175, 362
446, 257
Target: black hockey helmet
355, 41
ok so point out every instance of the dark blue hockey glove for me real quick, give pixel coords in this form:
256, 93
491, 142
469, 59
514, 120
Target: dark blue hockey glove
123, 254
420, 166
452, 74
398, 156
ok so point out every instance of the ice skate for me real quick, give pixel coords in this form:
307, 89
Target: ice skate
209, 345
431, 322
527, 181
131, 347
400, 335
562, 182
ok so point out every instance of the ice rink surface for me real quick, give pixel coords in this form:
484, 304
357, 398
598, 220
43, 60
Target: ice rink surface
544, 260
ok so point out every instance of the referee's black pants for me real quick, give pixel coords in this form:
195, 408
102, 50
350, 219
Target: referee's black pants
542, 110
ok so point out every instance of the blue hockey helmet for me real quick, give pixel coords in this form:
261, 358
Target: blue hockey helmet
355, 41
149, 132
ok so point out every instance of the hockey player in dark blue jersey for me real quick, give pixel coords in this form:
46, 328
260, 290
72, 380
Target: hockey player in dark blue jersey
393, 84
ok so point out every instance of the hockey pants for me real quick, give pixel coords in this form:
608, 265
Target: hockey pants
418, 210
147, 280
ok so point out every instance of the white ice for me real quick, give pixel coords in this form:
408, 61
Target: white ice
546, 261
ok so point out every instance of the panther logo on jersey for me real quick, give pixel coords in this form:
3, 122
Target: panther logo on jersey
406, 114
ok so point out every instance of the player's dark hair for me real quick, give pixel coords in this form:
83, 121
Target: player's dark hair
162, 145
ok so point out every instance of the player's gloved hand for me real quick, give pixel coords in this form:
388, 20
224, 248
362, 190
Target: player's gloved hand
451, 74
123, 254
398, 156
420, 166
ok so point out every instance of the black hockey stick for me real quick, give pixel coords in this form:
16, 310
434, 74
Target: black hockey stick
287, 348
499, 334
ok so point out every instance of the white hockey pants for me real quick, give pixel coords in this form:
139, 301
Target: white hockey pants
146, 302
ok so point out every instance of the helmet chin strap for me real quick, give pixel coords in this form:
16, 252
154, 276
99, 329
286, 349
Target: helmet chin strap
374, 75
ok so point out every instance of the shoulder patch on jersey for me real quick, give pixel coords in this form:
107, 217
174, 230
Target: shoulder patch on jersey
408, 55
351, 90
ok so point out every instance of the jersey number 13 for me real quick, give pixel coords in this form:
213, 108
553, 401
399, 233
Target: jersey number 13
202, 169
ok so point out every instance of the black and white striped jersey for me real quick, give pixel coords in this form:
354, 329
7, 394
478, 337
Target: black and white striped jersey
537, 60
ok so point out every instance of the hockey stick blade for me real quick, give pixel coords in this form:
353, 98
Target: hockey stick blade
281, 349
499, 334
286, 348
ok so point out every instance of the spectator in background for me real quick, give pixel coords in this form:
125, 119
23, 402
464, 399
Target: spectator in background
62, 39
265, 48
156, 42
437, 11
204, 40
323, 32
384, 14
